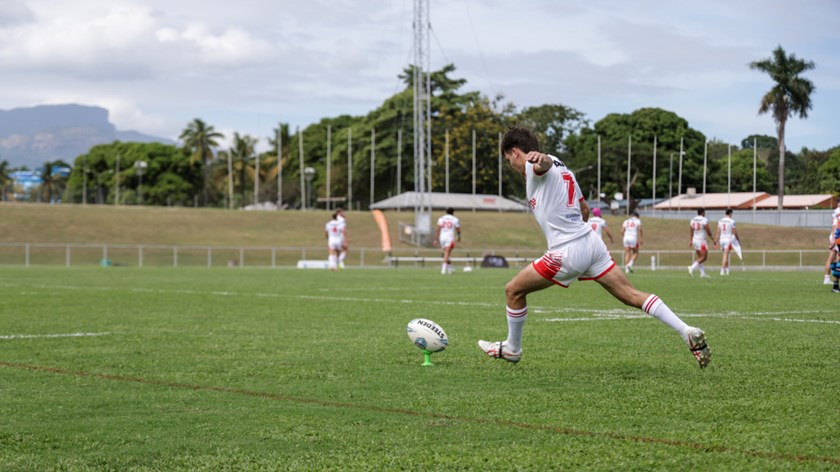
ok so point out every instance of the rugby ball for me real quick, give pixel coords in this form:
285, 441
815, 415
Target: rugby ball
427, 335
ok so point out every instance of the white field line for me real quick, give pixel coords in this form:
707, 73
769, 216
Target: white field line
65, 335
595, 314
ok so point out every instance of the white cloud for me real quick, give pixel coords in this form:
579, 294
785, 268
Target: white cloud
157, 64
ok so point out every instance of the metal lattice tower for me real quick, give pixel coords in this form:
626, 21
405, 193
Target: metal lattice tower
422, 116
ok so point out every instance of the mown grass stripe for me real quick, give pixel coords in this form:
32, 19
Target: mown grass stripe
400, 411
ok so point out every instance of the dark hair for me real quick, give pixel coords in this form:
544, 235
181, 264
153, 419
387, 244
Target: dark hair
450, 211
520, 137
701, 211
728, 211
636, 214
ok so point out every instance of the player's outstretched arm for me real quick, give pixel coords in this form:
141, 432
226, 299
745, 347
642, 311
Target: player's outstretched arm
542, 163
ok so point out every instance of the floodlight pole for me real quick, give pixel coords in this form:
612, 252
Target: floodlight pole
422, 115
117, 182
653, 202
279, 166
302, 176
329, 158
629, 157
599, 171
399, 161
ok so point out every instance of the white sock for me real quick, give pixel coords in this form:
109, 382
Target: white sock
656, 308
342, 256
331, 261
702, 269
694, 265
516, 321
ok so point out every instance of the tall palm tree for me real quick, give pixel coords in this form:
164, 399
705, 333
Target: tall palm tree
790, 96
4, 178
242, 151
200, 139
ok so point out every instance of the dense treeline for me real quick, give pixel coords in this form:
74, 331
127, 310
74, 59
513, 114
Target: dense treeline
199, 173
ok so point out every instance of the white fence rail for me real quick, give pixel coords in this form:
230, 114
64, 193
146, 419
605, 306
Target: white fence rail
134, 255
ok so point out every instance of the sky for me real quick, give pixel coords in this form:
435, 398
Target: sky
245, 66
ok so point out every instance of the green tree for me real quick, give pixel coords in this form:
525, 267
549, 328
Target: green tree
169, 178
641, 126
790, 96
829, 173
553, 123
200, 139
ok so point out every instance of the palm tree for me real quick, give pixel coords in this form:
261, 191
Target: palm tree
790, 96
200, 139
4, 178
52, 181
242, 152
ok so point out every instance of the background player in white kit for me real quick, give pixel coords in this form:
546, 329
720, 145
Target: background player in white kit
334, 232
599, 225
575, 252
339, 215
448, 229
727, 236
698, 230
832, 243
631, 232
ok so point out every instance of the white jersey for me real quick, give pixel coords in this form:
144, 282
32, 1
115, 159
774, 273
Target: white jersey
342, 221
725, 226
631, 228
835, 223
335, 233
598, 224
698, 224
555, 199
448, 225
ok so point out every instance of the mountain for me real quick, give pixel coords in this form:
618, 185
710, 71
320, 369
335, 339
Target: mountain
32, 136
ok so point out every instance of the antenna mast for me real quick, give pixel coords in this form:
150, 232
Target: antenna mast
422, 117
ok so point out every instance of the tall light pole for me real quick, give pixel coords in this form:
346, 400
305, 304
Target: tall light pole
117, 183
422, 115
140, 167
309, 173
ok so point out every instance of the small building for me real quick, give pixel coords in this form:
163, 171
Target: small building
798, 202
442, 201
713, 201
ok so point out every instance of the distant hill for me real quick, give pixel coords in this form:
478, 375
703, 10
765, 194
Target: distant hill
32, 136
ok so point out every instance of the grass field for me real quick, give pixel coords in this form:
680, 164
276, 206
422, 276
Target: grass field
213, 369
37, 223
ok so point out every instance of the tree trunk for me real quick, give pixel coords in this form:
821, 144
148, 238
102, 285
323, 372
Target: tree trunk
781, 190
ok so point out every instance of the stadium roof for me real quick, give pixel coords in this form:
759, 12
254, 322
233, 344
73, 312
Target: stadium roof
744, 201
458, 201
711, 201
797, 201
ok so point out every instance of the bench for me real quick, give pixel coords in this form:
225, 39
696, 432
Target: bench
313, 264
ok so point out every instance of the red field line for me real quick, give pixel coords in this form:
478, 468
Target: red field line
400, 411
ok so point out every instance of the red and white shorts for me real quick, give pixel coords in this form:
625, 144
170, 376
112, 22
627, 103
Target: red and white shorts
447, 243
699, 244
584, 258
632, 243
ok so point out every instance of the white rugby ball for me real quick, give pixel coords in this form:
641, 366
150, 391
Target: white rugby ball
427, 335
467, 269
